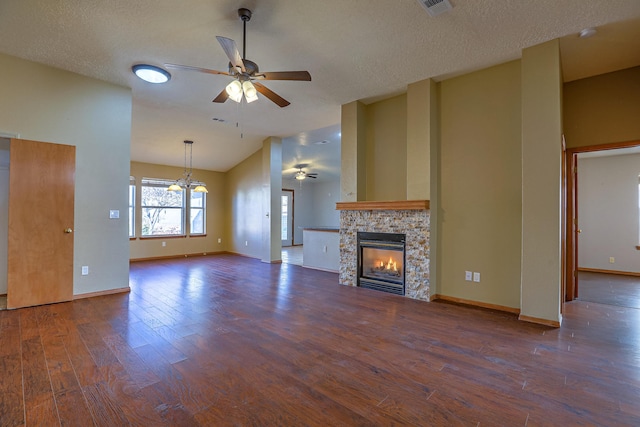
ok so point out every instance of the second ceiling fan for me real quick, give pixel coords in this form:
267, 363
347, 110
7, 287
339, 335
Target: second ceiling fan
246, 72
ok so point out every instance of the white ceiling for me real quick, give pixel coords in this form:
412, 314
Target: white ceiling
354, 50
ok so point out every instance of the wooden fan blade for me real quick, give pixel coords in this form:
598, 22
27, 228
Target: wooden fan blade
198, 69
230, 48
285, 75
274, 97
222, 97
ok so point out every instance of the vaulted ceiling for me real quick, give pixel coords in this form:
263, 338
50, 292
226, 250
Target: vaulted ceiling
354, 50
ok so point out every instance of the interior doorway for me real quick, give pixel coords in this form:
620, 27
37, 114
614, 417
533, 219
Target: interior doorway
287, 215
598, 271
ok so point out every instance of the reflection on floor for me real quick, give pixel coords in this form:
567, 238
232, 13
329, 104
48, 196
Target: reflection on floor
610, 289
3, 302
292, 255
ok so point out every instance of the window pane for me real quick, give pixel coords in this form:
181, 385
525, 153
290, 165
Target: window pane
197, 221
159, 196
160, 221
131, 223
197, 213
197, 200
132, 204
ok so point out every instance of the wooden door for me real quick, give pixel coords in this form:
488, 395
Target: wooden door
41, 198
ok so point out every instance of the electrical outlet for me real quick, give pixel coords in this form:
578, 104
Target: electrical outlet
324, 248
246, 243
164, 244
85, 270
612, 260
476, 277
219, 240
467, 276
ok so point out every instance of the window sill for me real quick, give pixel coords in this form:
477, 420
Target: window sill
193, 236
166, 236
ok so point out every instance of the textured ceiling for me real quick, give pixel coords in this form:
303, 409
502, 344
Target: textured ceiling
354, 50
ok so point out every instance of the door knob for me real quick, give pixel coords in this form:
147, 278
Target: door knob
68, 230
579, 230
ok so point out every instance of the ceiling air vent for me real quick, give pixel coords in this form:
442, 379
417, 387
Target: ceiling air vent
436, 7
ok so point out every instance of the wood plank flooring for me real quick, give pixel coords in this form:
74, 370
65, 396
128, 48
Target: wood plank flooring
611, 289
226, 340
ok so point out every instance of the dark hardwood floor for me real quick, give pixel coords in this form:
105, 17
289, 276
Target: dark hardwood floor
611, 289
226, 340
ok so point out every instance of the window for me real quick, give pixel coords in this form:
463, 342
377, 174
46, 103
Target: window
197, 210
132, 207
162, 210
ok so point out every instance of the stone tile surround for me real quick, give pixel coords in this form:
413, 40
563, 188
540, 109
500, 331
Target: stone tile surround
411, 218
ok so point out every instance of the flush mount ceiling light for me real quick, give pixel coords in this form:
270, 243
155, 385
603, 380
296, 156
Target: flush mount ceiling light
151, 73
186, 181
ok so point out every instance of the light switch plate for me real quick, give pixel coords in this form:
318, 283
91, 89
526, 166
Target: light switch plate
467, 276
476, 277
85, 270
114, 214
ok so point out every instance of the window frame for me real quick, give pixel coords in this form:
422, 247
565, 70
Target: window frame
132, 207
162, 183
191, 208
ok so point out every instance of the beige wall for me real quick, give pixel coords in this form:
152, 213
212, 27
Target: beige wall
386, 149
480, 180
244, 207
47, 104
353, 165
152, 247
541, 182
603, 109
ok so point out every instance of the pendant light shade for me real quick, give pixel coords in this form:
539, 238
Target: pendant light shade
187, 177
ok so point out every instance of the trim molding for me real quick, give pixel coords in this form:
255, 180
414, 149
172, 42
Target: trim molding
102, 293
545, 322
621, 273
155, 258
383, 206
320, 269
511, 310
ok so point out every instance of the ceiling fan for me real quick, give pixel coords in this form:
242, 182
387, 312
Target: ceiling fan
300, 175
246, 72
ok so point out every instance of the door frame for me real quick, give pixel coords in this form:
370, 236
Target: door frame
570, 214
293, 218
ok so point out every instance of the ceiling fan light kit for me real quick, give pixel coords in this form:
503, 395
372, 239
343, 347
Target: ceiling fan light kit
246, 72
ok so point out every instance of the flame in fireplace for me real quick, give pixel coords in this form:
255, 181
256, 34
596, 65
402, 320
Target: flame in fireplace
391, 265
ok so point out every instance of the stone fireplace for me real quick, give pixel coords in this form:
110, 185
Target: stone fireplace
409, 218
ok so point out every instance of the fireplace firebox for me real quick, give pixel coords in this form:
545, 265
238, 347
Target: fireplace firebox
381, 261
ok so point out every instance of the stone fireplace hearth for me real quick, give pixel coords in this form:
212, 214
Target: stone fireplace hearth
411, 218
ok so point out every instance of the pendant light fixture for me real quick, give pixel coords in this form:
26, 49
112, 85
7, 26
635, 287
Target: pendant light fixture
187, 177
